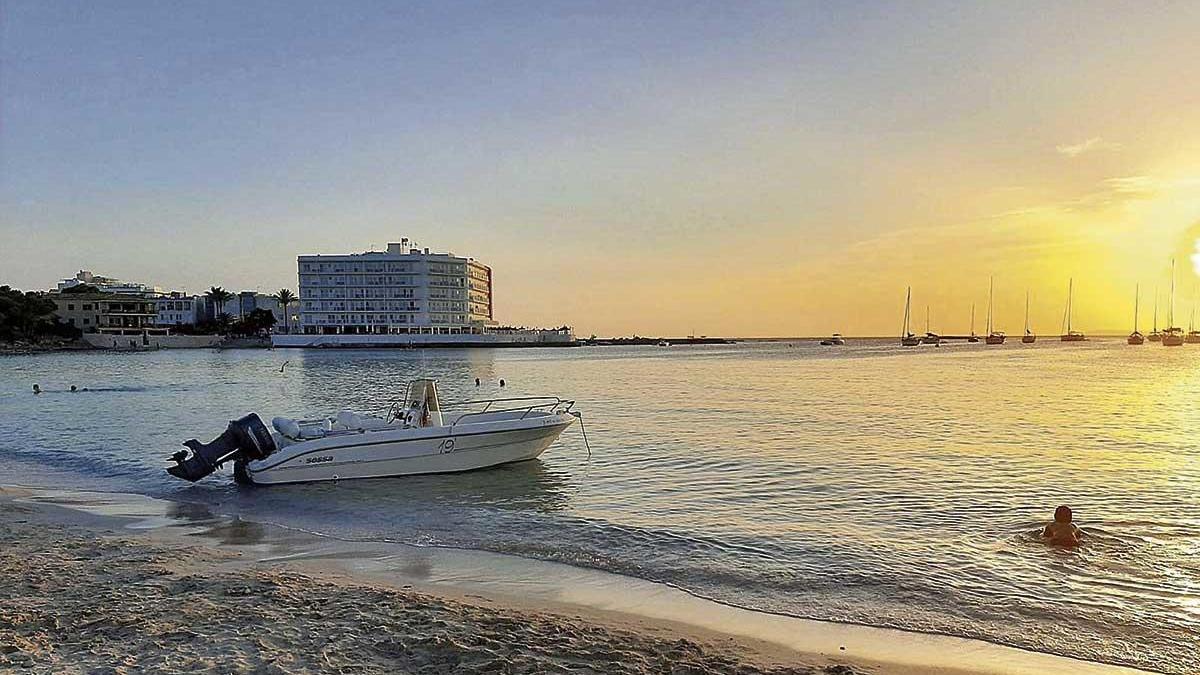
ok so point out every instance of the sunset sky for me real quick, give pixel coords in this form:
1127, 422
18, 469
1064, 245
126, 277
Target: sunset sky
735, 168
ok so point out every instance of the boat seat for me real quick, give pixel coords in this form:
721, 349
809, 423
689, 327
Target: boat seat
300, 430
350, 421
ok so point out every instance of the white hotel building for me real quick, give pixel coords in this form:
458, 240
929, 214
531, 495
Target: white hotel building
402, 291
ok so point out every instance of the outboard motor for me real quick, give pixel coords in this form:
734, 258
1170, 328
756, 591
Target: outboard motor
244, 439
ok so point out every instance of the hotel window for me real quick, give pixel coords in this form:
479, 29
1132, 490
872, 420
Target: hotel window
70, 308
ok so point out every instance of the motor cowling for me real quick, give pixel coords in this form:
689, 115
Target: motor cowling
246, 439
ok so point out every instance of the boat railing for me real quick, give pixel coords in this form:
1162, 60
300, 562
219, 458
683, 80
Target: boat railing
526, 405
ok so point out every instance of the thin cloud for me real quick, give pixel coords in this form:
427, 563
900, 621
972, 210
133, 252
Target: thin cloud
1095, 143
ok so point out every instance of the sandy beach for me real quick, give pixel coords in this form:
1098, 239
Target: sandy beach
80, 599
111, 583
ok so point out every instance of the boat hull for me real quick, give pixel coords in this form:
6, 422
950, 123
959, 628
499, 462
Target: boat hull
406, 453
1029, 339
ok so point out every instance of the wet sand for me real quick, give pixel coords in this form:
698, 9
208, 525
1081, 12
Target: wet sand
73, 599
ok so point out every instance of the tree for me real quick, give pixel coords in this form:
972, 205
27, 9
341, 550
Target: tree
284, 297
30, 316
218, 297
256, 322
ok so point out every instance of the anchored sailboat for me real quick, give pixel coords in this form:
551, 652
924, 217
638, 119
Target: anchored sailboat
994, 337
1028, 338
972, 337
1173, 335
1193, 335
907, 339
930, 338
1136, 338
1155, 336
1071, 335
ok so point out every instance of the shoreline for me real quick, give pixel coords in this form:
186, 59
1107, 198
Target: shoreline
598, 610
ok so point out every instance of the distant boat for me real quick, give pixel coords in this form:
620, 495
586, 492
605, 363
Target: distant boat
1136, 338
972, 337
1193, 335
1155, 336
930, 338
1071, 335
1173, 335
664, 343
907, 339
1028, 338
994, 337
835, 340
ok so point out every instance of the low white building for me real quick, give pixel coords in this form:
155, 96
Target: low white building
106, 284
401, 291
178, 309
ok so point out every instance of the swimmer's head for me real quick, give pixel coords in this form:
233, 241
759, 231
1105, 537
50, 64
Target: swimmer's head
1062, 514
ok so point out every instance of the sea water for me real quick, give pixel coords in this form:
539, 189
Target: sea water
869, 483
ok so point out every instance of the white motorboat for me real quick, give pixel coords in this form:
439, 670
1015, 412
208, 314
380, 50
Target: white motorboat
415, 437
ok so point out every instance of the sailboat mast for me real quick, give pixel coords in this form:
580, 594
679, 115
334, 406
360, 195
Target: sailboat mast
1070, 299
991, 288
926, 319
1171, 306
1026, 312
907, 311
1137, 298
972, 318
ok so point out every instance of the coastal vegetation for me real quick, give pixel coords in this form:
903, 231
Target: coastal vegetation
284, 297
29, 316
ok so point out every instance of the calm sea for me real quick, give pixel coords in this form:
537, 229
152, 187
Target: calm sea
869, 484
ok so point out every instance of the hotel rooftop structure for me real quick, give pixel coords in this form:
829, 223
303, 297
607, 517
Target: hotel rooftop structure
404, 290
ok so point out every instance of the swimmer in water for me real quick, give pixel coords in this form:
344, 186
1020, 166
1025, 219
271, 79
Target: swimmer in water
1062, 532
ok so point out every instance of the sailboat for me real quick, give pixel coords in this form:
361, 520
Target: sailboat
1155, 336
1136, 338
994, 337
1071, 335
907, 339
972, 337
1193, 335
1028, 338
930, 338
1173, 335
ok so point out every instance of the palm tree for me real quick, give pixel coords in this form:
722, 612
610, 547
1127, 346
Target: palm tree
284, 297
218, 297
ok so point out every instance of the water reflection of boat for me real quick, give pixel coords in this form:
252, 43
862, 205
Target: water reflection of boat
414, 438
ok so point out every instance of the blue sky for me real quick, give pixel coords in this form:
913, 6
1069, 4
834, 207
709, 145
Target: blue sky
585, 150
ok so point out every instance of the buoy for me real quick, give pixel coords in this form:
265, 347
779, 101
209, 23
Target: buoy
37, 389
501, 383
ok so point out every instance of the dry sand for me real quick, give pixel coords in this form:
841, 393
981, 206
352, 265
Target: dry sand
75, 600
